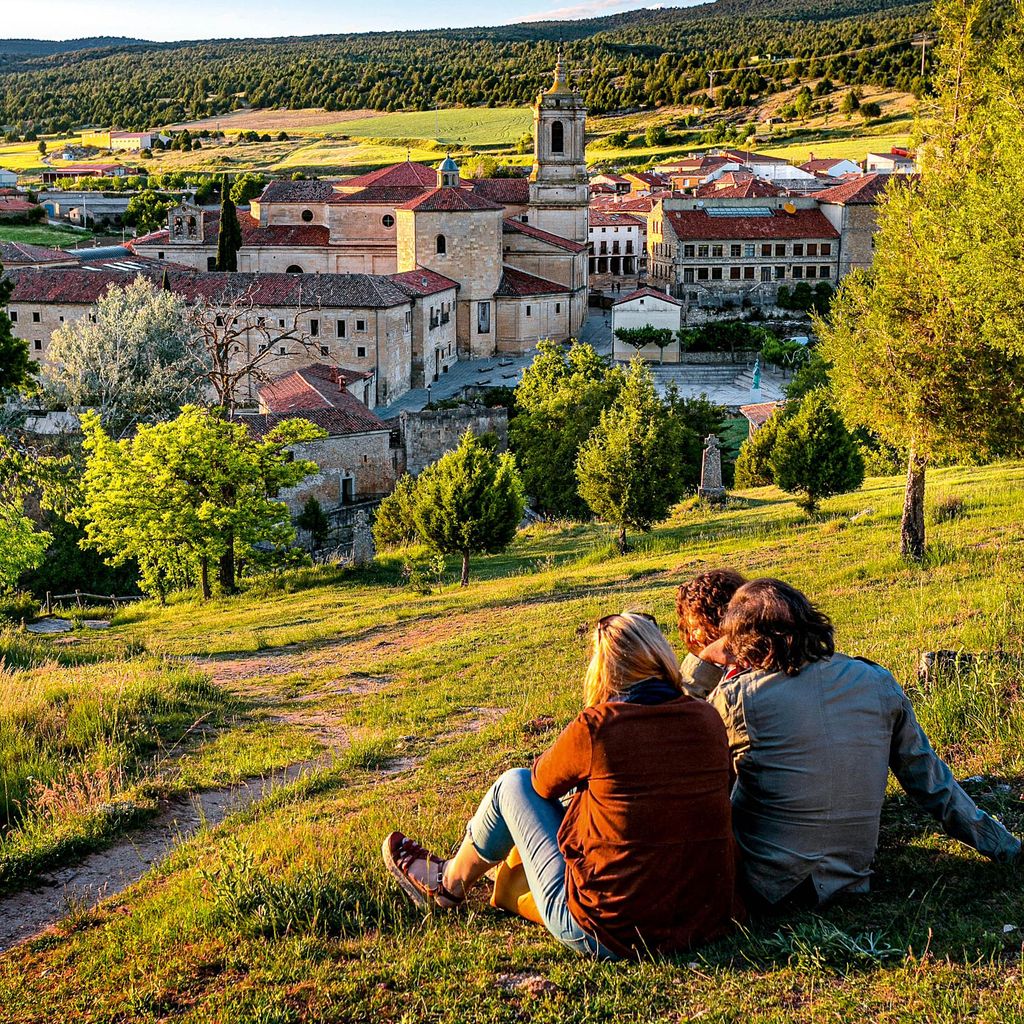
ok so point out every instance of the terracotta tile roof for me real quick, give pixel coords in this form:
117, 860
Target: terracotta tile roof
516, 283
748, 156
318, 386
760, 412
603, 218
287, 235
338, 422
12, 206
634, 204
642, 293
297, 192
312, 291
12, 253
507, 191
695, 165
651, 178
404, 174
751, 188
422, 282
518, 227
822, 164
697, 226
379, 195
863, 190
450, 199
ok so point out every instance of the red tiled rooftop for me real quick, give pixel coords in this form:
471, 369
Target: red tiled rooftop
751, 188
318, 386
605, 218
516, 283
863, 190
422, 282
760, 412
404, 174
507, 191
518, 227
642, 293
450, 200
697, 226
20, 252
353, 418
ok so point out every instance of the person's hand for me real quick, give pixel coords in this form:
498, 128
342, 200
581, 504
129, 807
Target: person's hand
716, 653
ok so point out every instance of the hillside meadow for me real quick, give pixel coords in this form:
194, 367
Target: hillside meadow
415, 701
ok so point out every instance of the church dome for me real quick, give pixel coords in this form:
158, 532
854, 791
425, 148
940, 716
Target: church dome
448, 173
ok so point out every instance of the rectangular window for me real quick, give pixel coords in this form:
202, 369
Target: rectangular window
314, 328
748, 250
528, 310
161, 255
483, 318
341, 328
360, 325
734, 273
324, 350
558, 307
702, 273
748, 273
798, 248
263, 348
716, 273
812, 271
735, 250
766, 249
408, 320
360, 352
38, 345
766, 273
716, 251
689, 251
826, 248
780, 249
261, 321
798, 272
282, 351
35, 318
812, 248
702, 252
14, 316
688, 275
280, 323
824, 271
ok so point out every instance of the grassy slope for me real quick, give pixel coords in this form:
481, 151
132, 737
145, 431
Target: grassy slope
42, 234
285, 913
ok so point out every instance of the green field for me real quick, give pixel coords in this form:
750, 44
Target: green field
855, 148
476, 126
43, 234
284, 913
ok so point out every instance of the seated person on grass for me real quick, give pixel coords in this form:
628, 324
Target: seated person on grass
643, 857
813, 736
700, 607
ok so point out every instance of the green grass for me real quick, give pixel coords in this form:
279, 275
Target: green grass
856, 147
473, 126
285, 913
43, 234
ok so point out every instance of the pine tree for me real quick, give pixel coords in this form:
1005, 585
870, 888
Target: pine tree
630, 469
15, 363
814, 455
394, 523
469, 501
229, 233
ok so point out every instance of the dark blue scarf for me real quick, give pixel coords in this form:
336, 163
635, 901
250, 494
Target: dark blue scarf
649, 692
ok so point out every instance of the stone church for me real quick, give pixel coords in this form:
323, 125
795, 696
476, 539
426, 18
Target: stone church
514, 249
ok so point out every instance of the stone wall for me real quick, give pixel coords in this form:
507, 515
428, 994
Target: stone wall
427, 435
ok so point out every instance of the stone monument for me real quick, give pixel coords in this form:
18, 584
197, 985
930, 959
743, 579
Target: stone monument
363, 550
711, 471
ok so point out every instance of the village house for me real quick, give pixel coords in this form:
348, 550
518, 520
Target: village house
646, 307
726, 252
516, 247
8, 179
832, 167
616, 248
896, 161
53, 174
394, 330
18, 255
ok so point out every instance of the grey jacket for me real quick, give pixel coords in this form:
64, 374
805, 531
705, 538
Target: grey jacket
812, 753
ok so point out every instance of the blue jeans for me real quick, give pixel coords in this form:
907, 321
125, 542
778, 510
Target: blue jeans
512, 814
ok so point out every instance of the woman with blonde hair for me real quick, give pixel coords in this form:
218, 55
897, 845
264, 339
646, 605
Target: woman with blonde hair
642, 859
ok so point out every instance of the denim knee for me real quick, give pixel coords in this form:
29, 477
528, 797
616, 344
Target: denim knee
515, 781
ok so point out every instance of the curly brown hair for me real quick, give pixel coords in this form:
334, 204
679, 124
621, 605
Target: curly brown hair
701, 603
774, 627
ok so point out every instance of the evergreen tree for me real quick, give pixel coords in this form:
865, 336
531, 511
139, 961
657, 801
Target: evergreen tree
229, 233
814, 455
926, 348
630, 469
394, 524
314, 521
469, 501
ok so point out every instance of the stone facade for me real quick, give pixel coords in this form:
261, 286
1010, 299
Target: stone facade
640, 309
427, 435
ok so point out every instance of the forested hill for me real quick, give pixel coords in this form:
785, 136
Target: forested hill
641, 58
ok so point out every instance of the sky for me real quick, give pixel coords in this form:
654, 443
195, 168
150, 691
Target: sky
213, 19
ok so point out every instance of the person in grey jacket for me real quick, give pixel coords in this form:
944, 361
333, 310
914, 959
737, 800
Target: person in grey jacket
813, 735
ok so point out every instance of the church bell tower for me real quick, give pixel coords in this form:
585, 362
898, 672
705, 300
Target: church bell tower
559, 188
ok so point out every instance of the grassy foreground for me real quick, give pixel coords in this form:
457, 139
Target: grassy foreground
284, 912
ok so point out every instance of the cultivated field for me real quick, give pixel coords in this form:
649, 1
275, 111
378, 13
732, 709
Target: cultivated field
284, 912
43, 234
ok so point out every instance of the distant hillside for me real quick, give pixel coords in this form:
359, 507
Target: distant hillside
13, 49
633, 60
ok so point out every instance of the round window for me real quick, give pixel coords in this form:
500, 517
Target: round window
387, 220
307, 215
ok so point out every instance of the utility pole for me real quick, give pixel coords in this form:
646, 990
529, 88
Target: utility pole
924, 40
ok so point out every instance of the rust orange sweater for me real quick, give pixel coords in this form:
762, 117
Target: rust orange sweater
647, 838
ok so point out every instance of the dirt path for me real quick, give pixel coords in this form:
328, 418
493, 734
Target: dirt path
108, 872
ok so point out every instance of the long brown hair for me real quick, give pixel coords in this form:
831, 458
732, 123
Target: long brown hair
774, 627
626, 649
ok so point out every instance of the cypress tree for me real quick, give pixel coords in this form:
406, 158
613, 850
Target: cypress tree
229, 234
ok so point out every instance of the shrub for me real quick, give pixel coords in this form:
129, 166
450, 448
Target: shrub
949, 508
17, 606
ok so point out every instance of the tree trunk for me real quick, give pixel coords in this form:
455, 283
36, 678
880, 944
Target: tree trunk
226, 574
622, 540
912, 524
465, 568
204, 576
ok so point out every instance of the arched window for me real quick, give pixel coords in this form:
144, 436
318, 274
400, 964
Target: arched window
307, 216
294, 269
442, 245
557, 137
